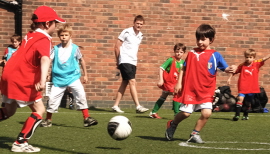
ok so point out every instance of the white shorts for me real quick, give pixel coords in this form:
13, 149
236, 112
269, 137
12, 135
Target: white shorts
19, 102
57, 93
189, 108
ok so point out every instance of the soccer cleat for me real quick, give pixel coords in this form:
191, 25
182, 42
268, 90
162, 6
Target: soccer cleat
24, 147
195, 138
46, 123
245, 118
154, 115
170, 130
90, 122
117, 109
236, 118
141, 109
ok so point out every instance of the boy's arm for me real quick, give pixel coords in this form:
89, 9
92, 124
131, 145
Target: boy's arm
160, 81
229, 79
178, 85
117, 46
45, 64
266, 58
83, 65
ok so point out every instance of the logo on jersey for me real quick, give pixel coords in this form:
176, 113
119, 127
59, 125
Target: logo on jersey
210, 65
250, 72
26, 40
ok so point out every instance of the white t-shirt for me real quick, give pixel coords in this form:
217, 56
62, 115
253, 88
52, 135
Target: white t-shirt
64, 53
130, 46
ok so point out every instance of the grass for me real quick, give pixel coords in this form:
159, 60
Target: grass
68, 136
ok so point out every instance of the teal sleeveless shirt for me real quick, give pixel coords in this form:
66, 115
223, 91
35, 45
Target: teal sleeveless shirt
10, 52
63, 74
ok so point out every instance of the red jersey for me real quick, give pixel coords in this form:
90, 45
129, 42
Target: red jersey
198, 83
170, 79
23, 71
248, 81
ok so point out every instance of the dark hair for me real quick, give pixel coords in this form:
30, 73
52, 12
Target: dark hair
36, 25
140, 18
16, 37
205, 30
179, 45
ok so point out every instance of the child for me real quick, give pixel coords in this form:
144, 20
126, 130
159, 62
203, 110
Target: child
126, 49
248, 82
168, 74
66, 73
197, 82
24, 75
16, 41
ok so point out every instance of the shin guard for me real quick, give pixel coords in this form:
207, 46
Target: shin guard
29, 127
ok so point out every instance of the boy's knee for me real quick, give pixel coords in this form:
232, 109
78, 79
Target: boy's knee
132, 81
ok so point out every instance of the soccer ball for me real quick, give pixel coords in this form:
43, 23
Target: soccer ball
119, 127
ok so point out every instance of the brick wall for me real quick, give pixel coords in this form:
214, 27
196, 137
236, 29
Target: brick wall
97, 24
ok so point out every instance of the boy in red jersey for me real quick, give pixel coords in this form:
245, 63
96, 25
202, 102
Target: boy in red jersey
24, 75
168, 74
197, 82
248, 82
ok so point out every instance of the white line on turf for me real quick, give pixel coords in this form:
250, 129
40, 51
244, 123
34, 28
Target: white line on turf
185, 144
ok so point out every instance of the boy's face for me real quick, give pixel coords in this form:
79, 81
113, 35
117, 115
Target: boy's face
249, 59
51, 28
15, 43
204, 43
138, 24
64, 37
178, 53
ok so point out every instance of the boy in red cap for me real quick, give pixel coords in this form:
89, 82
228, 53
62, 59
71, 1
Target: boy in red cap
31, 64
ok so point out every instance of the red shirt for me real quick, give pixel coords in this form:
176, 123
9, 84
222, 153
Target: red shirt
198, 83
248, 81
23, 71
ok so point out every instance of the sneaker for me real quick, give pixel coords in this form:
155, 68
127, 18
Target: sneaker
236, 118
245, 118
117, 109
170, 130
46, 123
154, 115
196, 138
90, 122
24, 147
141, 109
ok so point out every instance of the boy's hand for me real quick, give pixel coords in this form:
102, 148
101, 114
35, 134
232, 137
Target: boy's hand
85, 79
160, 83
177, 88
39, 86
231, 69
228, 81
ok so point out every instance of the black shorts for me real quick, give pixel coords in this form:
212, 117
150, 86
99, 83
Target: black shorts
128, 71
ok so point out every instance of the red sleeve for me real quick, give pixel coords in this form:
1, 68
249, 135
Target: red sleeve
239, 68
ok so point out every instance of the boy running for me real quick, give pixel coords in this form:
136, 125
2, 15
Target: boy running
24, 76
197, 82
248, 81
168, 74
66, 74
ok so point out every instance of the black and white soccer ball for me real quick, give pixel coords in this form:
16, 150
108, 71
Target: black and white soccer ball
119, 127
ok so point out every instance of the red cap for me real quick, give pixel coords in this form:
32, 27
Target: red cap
45, 13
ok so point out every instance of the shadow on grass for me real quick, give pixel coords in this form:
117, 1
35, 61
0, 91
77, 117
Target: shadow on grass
92, 108
62, 125
230, 119
159, 138
147, 117
109, 148
6, 143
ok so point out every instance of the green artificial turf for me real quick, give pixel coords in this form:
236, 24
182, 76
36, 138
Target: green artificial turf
68, 136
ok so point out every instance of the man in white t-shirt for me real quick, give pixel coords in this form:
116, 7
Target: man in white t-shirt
126, 49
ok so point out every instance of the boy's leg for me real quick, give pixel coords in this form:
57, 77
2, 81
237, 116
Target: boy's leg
238, 108
205, 114
158, 104
81, 102
53, 104
176, 107
186, 111
30, 125
119, 95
